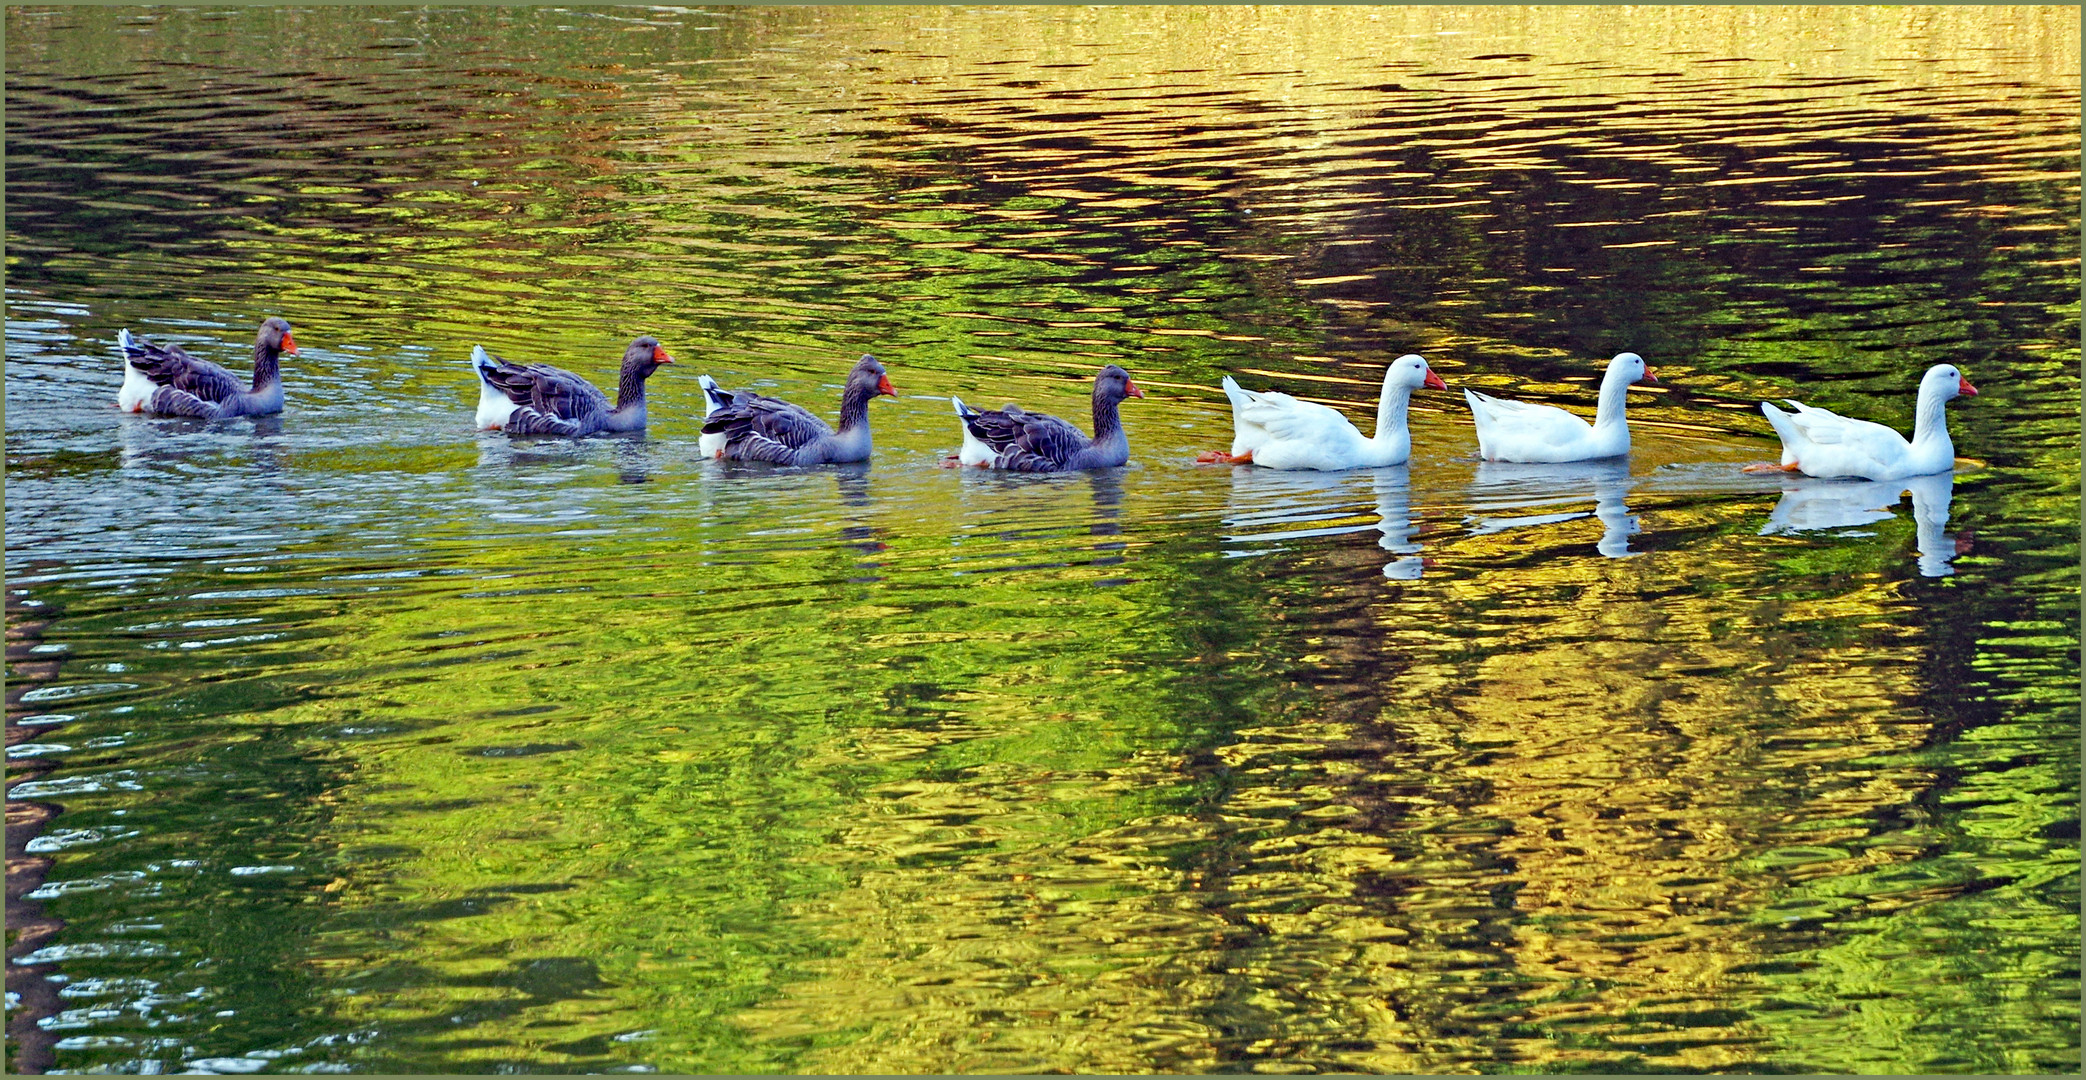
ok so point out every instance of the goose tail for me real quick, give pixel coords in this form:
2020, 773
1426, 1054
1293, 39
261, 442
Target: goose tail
137, 390
713, 396
1785, 429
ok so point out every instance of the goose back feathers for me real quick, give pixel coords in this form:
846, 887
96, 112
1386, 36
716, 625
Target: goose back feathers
164, 380
744, 426
1280, 432
1820, 442
1527, 432
1020, 441
539, 399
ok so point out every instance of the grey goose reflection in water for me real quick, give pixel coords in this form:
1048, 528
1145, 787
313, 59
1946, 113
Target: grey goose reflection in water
1809, 505
1005, 512
1268, 506
498, 451
148, 441
1500, 486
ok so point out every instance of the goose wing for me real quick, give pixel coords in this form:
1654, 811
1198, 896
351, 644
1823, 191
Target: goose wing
1286, 419
1824, 427
1026, 441
1525, 417
758, 428
1523, 413
174, 401
1824, 443
551, 391
168, 366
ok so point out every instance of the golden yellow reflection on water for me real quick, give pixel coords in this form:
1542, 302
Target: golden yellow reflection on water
607, 756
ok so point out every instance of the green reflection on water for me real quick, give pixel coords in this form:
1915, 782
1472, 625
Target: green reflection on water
919, 772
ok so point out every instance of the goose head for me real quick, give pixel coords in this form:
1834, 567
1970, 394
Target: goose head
1628, 368
1113, 385
1411, 372
275, 336
869, 378
1943, 381
644, 356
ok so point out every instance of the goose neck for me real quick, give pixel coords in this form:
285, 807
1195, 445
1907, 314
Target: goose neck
267, 367
630, 391
1930, 417
1391, 411
1108, 421
1614, 401
854, 406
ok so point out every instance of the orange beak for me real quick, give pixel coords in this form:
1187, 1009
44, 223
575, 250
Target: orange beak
1434, 381
883, 386
659, 356
289, 345
1648, 375
1964, 387
1131, 387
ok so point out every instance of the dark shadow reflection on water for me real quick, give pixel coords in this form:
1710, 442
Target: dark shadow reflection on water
1045, 513
853, 482
535, 451
1107, 485
634, 462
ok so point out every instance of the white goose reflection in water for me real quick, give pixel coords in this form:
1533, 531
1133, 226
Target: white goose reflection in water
1268, 506
1394, 510
1506, 486
1810, 505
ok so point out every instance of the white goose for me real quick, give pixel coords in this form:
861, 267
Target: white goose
1280, 432
1818, 442
1520, 431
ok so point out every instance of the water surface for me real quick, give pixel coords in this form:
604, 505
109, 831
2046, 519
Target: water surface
357, 740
